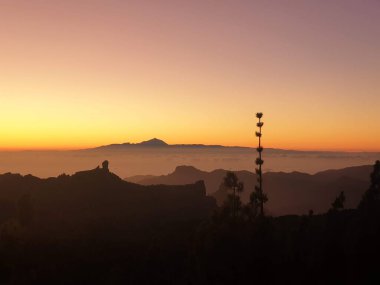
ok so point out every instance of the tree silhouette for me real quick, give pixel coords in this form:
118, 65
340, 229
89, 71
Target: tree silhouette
338, 203
371, 199
231, 181
258, 198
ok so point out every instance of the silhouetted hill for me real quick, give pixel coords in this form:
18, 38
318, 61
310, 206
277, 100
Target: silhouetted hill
289, 193
149, 143
94, 228
182, 174
98, 201
159, 143
153, 142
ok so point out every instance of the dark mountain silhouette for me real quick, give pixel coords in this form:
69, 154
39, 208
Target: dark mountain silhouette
184, 175
155, 142
289, 193
160, 143
98, 201
149, 143
94, 228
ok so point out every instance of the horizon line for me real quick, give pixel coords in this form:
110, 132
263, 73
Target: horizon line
89, 147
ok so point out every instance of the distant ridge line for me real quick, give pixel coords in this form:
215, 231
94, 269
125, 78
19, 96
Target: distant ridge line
158, 143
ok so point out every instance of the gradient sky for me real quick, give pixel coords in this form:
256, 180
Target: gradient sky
81, 73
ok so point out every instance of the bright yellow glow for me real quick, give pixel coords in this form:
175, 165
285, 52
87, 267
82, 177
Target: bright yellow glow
78, 74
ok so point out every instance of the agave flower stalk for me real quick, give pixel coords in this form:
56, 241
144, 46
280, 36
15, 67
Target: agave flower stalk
260, 197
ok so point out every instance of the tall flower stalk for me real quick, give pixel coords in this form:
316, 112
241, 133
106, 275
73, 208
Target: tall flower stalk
258, 198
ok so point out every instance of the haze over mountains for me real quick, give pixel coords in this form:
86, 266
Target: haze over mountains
157, 157
289, 193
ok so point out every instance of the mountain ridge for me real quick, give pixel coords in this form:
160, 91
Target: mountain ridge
97, 199
157, 143
289, 192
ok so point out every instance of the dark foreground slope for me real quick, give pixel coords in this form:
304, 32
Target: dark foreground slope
289, 193
59, 231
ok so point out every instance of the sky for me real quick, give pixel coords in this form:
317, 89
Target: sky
83, 73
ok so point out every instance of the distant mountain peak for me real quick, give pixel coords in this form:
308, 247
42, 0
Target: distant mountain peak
154, 142
186, 169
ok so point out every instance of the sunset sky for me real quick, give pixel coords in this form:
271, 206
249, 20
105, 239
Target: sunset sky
82, 73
